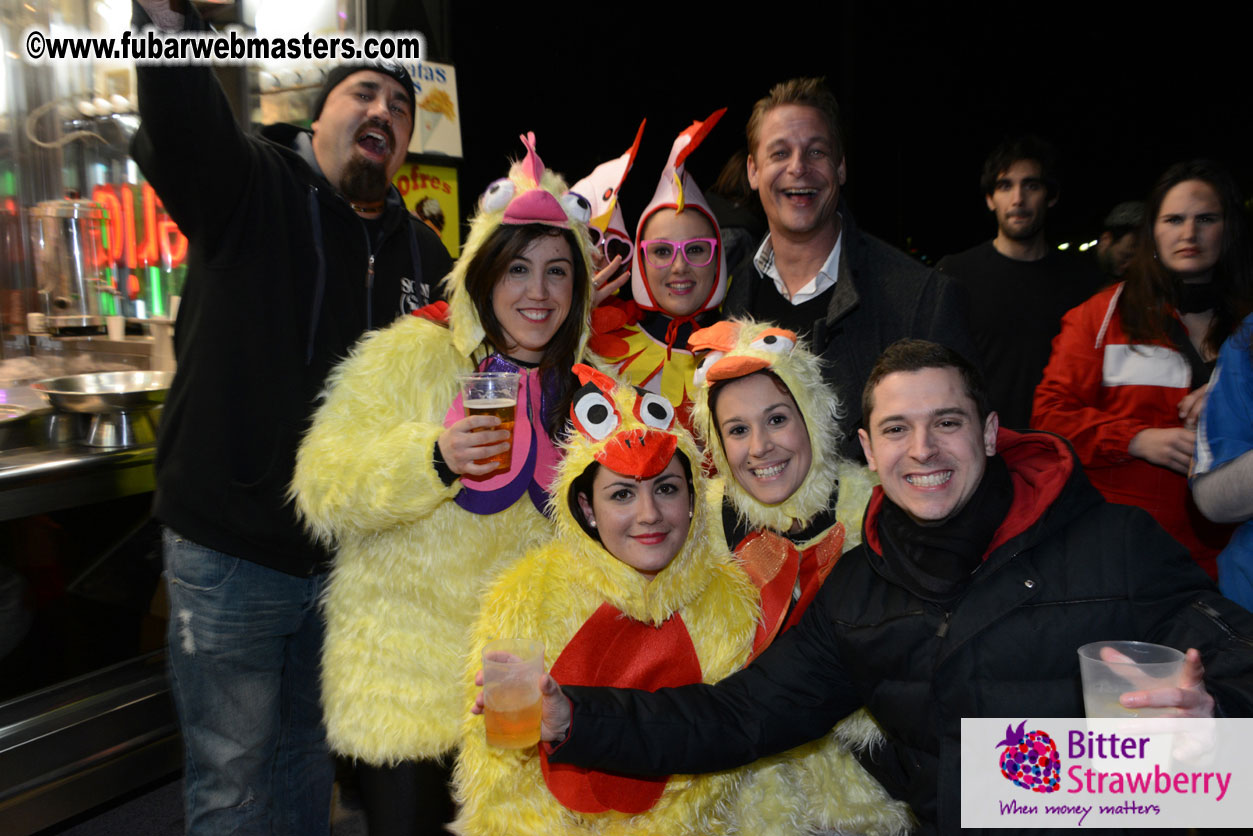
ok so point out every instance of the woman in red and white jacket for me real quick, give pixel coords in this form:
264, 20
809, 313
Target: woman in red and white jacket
1129, 370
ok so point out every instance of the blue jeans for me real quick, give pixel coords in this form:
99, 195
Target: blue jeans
245, 644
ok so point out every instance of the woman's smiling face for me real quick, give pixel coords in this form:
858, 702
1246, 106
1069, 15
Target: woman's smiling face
680, 289
764, 437
642, 523
533, 298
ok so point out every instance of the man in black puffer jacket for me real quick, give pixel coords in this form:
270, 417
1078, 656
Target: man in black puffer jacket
988, 559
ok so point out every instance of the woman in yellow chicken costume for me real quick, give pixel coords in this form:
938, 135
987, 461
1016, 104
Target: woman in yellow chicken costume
788, 527
387, 474
789, 505
604, 622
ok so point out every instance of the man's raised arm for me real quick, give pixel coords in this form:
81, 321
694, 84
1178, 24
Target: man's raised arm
795, 692
188, 144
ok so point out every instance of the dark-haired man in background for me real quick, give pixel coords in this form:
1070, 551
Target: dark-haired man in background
1119, 235
1019, 287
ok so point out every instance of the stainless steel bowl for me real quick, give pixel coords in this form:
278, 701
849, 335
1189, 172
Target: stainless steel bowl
106, 392
23, 414
124, 406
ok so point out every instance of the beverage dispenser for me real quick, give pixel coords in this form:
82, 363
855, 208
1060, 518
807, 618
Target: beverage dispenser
66, 247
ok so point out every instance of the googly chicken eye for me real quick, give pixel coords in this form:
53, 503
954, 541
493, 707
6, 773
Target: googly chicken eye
594, 414
577, 207
497, 196
776, 340
653, 410
705, 365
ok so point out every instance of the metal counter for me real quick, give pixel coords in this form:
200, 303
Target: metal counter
99, 721
36, 481
38, 476
66, 749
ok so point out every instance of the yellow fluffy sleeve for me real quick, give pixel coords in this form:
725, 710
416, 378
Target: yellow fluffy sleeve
367, 462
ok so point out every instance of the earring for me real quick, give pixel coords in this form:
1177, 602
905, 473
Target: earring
689, 513
592, 523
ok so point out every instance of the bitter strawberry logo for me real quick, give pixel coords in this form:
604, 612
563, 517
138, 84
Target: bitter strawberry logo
1030, 759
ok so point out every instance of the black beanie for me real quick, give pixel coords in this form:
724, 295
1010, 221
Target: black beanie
342, 71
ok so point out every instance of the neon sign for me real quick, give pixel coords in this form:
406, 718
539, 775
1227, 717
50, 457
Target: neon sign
161, 244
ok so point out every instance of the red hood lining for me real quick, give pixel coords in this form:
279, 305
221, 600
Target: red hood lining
1039, 465
719, 257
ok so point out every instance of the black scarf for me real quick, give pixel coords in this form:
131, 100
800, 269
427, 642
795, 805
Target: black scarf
935, 562
736, 527
1197, 298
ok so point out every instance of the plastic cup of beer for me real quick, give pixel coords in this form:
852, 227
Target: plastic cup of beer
1110, 669
512, 669
495, 394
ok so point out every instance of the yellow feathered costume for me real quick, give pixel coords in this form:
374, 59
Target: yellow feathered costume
819, 785
558, 591
411, 563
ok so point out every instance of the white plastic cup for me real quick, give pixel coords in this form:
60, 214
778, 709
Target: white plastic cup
116, 327
495, 394
512, 669
1110, 669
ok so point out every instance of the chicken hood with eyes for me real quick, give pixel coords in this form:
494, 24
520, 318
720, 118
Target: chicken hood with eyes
678, 191
600, 189
739, 347
634, 433
530, 194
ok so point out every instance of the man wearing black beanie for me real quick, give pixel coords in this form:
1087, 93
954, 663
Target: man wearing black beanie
298, 245
358, 117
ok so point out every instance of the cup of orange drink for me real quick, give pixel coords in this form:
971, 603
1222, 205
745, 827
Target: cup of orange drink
512, 669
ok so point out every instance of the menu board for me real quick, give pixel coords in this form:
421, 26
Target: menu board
430, 192
437, 124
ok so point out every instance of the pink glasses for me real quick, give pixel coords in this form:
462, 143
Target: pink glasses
660, 252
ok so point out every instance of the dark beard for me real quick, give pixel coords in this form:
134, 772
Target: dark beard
1027, 232
364, 181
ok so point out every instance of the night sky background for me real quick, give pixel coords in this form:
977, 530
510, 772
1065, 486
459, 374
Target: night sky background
925, 90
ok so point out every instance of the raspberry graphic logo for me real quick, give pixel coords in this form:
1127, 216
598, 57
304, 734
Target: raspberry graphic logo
1030, 759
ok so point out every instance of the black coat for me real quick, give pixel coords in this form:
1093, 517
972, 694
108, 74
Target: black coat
277, 292
881, 296
1083, 571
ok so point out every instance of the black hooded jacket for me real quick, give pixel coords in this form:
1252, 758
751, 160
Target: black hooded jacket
283, 277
